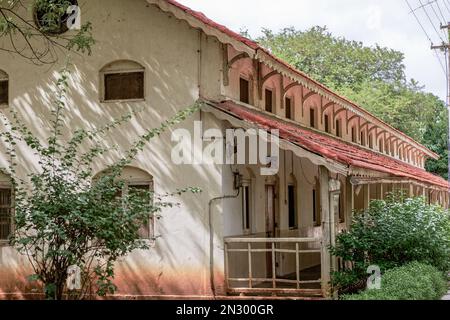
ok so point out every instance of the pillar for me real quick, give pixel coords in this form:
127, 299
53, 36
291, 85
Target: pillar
349, 201
326, 229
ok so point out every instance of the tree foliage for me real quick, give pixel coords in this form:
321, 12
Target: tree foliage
414, 281
373, 77
62, 216
392, 233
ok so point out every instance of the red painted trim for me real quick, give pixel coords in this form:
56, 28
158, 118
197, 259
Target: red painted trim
255, 46
330, 148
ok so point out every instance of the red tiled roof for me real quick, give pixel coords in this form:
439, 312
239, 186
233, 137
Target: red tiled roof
255, 46
329, 147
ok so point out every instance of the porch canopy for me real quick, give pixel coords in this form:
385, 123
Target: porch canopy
337, 155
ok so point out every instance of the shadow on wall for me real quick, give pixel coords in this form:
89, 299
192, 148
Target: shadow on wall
179, 262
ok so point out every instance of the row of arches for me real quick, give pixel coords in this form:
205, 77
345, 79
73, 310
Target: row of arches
263, 87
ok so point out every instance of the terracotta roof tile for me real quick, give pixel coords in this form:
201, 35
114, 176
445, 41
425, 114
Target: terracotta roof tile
255, 46
331, 148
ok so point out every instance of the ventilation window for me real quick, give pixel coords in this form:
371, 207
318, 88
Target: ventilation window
269, 100
244, 90
338, 128
312, 118
288, 105
354, 135
363, 138
381, 145
52, 17
327, 123
4, 84
122, 81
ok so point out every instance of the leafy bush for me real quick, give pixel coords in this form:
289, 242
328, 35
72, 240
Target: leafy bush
414, 281
392, 233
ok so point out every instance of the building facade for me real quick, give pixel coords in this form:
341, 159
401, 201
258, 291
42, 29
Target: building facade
247, 232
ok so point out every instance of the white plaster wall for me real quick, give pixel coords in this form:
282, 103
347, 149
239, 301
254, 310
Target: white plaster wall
169, 51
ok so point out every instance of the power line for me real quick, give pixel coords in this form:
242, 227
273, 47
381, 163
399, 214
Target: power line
445, 69
418, 21
430, 3
447, 5
426, 34
440, 11
431, 21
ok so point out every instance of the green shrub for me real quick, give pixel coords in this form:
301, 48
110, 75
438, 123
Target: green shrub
392, 233
414, 281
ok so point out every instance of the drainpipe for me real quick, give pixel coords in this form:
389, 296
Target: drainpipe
211, 238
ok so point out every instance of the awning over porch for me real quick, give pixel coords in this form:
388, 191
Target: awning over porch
336, 150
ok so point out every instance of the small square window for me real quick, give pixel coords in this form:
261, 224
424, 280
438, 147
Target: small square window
124, 86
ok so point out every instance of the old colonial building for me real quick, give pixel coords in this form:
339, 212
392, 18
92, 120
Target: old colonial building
247, 233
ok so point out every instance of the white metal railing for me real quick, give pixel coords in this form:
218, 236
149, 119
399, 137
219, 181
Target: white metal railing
251, 280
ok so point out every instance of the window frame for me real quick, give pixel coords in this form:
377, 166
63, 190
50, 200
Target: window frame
137, 69
266, 106
247, 207
151, 221
289, 115
5, 186
5, 78
338, 126
316, 206
244, 78
294, 202
312, 118
354, 138
326, 122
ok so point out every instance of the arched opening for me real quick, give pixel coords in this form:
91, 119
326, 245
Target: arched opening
122, 80
136, 179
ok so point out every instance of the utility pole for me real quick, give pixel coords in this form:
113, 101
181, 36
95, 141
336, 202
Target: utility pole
446, 48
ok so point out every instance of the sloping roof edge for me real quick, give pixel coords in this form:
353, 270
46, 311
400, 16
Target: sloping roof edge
226, 35
329, 147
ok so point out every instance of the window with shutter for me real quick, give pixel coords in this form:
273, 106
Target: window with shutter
4, 84
244, 90
5, 214
123, 81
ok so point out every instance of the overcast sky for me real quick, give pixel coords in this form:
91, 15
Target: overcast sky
386, 22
